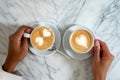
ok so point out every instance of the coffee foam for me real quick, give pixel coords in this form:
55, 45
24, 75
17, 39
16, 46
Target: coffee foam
39, 41
46, 33
42, 38
81, 41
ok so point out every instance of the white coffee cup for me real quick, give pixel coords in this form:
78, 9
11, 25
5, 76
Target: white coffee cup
67, 46
27, 35
86, 35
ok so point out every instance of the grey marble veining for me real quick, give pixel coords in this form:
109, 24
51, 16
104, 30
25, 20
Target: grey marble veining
101, 16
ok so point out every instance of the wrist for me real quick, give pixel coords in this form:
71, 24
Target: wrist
100, 77
9, 66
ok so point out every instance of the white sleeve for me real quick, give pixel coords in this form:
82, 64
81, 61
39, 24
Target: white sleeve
7, 76
4, 75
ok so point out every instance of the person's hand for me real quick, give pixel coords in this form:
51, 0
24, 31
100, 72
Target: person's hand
18, 47
102, 58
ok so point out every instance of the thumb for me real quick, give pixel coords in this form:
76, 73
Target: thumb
24, 42
97, 51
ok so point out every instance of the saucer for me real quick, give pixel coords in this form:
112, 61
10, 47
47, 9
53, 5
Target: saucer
66, 44
56, 44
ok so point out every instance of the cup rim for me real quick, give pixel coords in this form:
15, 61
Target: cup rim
87, 29
51, 31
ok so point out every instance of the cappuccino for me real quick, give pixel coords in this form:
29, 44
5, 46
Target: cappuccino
81, 41
42, 38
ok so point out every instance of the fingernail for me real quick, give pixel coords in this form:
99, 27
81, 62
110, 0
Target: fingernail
97, 43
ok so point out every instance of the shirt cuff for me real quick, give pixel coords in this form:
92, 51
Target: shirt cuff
7, 76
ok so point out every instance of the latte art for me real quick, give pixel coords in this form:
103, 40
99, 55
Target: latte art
46, 33
39, 41
42, 38
81, 41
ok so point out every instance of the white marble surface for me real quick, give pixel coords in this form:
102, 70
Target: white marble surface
101, 16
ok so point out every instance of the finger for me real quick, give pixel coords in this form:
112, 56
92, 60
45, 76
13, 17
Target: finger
28, 30
18, 34
24, 42
97, 51
104, 48
102, 44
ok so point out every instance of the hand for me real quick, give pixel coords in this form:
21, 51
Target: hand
18, 47
102, 58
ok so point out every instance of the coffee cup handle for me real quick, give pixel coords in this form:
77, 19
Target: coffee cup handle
26, 35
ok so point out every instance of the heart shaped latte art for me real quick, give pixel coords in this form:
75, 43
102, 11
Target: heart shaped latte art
39, 41
46, 33
81, 40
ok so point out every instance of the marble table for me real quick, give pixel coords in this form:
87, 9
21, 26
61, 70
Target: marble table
101, 16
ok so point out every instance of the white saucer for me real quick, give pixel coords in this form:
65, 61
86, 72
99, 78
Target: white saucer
66, 44
56, 44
